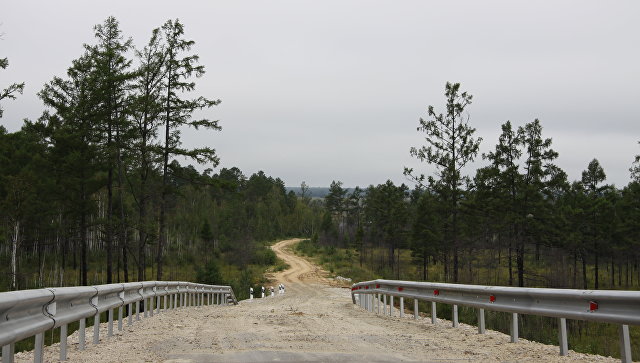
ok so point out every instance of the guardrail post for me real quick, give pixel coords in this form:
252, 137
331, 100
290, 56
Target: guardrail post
63, 342
130, 318
562, 336
152, 308
164, 306
8, 352
81, 333
39, 348
401, 307
455, 316
625, 344
415, 309
434, 313
391, 306
481, 329
384, 304
138, 310
110, 324
514, 327
120, 315
96, 328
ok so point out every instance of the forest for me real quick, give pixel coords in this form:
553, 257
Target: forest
518, 221
100, 188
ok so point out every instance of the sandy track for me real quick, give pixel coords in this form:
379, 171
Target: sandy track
313, 321
301, 273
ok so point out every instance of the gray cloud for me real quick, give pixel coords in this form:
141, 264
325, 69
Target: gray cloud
328, 90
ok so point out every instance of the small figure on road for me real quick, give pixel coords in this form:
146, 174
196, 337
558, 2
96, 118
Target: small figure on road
263, 292
251, 293
272, 290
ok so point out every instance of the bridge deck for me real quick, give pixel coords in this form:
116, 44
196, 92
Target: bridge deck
313, 321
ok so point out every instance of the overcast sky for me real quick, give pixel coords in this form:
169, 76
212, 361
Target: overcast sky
318, 91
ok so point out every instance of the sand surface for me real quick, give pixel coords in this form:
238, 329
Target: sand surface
315, 320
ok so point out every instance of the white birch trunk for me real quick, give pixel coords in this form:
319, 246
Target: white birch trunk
15, 240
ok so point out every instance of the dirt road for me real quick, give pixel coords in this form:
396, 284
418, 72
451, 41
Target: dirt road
313, 321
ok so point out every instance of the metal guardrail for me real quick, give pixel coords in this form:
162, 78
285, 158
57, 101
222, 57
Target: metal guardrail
28, 313
606, 306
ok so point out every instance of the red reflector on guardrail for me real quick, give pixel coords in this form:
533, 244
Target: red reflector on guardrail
400, 288
593, 306
436, 292
366, 288
377, 286
492, 298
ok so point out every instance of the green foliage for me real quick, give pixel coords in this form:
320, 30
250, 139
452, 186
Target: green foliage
209, 274
12, 89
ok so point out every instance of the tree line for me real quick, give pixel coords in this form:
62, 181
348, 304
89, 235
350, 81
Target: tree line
517, 221
94, 190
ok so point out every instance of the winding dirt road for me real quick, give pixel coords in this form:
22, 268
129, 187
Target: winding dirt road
313, 321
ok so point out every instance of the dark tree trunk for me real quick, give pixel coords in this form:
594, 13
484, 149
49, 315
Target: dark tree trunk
510, 263
595, 255
613, 273
109, 224
424, 266
83, 250
584, 271
575, 269
520, 263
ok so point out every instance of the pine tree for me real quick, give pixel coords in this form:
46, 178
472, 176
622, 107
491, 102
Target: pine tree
12, 89
450, 146
591, 180
111, 68
74, 135
146, 109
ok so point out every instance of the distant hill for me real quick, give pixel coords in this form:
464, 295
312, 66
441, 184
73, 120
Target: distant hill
316, 192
